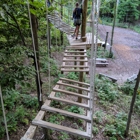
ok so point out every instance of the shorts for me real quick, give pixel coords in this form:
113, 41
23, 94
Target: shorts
77, 22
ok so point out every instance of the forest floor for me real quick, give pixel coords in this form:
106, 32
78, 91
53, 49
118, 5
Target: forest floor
126, 49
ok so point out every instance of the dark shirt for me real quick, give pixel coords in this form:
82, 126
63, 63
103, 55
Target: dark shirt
77, 13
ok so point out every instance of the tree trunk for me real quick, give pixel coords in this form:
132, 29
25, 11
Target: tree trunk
38, 77
62, 39
132, 104
84, 20
114, 21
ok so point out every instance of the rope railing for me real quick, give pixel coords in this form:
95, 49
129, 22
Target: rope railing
3, 110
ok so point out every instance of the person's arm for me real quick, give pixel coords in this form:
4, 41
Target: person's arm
73, 13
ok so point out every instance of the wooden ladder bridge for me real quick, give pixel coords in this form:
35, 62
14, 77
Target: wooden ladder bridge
75, 60
72, 54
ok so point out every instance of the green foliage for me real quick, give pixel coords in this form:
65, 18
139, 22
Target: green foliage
72, 75
136, 28
95, 130
101, 53
107, 8
128, 11
71, 89
63, 136
56, 104
116, 128
128, 88
49, 64
137, 105
12, 70
16, 106
57, 118
107, 90
75, 109
98, 115
29, 101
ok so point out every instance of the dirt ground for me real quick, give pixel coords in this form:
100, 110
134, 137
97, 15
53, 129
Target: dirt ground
126, 49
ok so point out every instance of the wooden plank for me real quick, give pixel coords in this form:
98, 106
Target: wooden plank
65, 113
132, 78
74, 66
110, 77
60, 128
74, 70
101, 59
31, 130
75, 55
73, 60
101, 64
69, 80
66, 51
88, 128
71, 93
74, 86
70, 102
76, 47
29, 133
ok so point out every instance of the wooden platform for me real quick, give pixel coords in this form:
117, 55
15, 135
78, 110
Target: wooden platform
78, 42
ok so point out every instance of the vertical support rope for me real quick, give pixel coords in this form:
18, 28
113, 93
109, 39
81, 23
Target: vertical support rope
37, 71
2, 104
92, 71
48, 37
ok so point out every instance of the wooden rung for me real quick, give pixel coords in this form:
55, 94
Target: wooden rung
75, 55
65, 113
74, 66
60, 128
69, 102
66, 51
74, 86
101, 64
71, 93
74, 70
69, 80
73, 60
76, 47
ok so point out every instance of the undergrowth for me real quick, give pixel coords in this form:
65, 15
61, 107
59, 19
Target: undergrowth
114, 103
19, 108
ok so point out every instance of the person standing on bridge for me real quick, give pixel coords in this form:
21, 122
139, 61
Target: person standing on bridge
77, 19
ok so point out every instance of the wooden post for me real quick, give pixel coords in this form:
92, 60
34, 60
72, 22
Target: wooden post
81, 75
106, 40
84, 20
114, 21
132, 104
61, 33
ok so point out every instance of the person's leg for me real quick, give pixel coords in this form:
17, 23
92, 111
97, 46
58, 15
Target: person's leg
74, 32
77, 30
